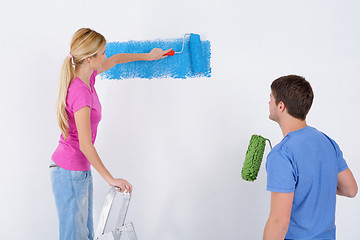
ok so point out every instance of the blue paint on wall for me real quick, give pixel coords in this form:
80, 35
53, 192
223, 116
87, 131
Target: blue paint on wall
177, 66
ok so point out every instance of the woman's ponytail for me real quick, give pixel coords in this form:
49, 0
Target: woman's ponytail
66, 75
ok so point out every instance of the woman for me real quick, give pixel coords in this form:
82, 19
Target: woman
78, 113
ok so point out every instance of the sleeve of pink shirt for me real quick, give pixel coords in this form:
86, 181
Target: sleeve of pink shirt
79, 97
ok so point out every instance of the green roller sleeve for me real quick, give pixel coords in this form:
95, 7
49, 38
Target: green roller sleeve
253, 158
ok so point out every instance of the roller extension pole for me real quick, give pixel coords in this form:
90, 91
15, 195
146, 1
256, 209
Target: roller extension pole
172, 52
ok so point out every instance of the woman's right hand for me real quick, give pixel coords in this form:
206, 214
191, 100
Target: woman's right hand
122, 184
157, 53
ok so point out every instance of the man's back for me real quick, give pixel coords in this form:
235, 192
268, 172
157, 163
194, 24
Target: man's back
307, 162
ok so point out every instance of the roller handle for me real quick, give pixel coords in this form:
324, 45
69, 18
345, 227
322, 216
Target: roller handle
171, 53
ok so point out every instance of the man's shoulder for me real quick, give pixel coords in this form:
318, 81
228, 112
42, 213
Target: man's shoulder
285, 143
296, 139
300, 141
305, 135
282, 149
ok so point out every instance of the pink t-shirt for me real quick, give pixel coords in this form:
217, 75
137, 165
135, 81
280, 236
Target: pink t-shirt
68, 155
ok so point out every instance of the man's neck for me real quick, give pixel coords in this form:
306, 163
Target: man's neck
291, 124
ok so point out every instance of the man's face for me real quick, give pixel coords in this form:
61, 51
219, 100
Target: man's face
273, 108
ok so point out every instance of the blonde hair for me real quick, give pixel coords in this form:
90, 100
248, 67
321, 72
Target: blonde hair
84, 44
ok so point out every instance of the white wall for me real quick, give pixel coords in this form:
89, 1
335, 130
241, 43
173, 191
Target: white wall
181, 143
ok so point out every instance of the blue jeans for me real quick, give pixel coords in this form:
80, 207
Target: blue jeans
73, 191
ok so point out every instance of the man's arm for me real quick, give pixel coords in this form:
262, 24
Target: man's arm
279, 218
346, 185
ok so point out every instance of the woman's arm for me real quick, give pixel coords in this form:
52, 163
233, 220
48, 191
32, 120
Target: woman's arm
82, 120
155, 54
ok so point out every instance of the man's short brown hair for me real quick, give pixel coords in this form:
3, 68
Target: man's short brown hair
295, 92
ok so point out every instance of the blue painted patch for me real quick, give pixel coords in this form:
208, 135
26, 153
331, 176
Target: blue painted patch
178, 66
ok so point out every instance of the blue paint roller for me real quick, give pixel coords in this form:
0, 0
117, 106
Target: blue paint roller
196, 53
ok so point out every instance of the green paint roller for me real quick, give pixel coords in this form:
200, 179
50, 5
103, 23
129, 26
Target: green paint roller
253, 158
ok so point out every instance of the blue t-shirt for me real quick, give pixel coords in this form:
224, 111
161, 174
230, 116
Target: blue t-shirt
307, 162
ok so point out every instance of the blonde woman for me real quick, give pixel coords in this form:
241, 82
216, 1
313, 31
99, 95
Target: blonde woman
79, 113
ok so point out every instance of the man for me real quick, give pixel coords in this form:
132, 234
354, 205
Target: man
305, 170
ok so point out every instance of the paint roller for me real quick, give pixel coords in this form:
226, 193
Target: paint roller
253, 158
196, 53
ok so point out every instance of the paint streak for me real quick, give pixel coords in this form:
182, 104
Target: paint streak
177, 66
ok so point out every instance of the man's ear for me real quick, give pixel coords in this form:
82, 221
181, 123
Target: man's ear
281, 106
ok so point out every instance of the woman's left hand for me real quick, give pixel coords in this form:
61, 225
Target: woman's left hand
157, 53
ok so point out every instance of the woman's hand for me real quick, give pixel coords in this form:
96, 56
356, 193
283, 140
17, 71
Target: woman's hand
122, 184
157, 53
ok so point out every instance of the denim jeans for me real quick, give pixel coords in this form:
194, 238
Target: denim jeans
73, 191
